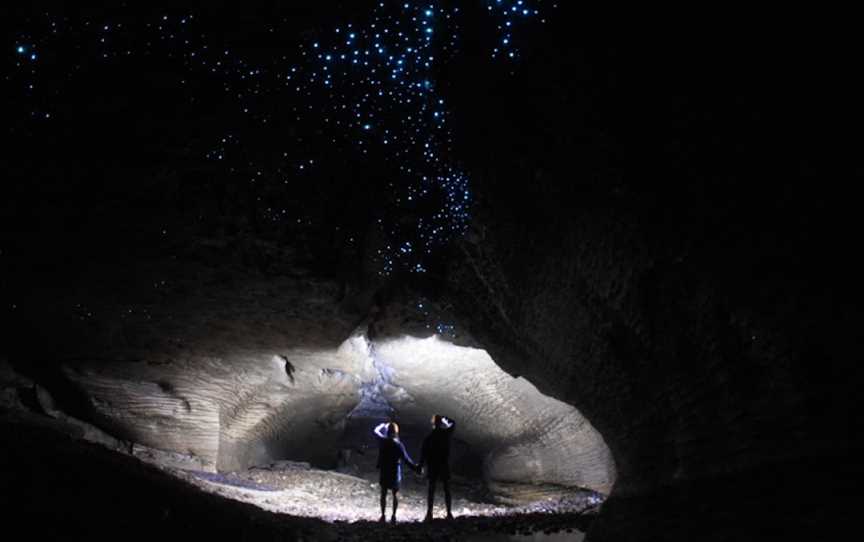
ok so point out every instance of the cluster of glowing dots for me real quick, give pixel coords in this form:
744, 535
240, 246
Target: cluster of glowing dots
508, 15
378, 86
379, 80
372, 86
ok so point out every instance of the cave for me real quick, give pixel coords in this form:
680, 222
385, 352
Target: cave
235, 240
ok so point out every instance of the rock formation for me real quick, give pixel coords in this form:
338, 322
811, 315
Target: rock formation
657, 296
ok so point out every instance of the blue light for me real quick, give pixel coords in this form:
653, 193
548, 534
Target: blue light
392, 81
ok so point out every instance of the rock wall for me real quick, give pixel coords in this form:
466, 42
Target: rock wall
207, 367
659, 242
232, 411
521, 435
280, 376
705, 392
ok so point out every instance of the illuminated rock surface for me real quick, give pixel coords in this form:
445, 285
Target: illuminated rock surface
521, 435
656, 230
254, 386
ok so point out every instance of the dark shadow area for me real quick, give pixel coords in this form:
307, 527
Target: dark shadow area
663, 233
55, 487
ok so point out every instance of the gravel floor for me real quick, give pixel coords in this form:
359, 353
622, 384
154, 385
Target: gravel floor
299, 490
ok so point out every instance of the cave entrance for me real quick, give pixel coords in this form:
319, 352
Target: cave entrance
512, 437
513, 448
290, 429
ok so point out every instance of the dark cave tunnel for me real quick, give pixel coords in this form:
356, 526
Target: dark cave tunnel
659, 244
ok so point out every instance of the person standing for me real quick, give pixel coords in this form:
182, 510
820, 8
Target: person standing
435, 455
391, 453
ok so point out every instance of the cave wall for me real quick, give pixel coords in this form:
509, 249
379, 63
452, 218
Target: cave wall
689, 385
670, 258
229, 411
521, 435
661, 240
238, 370
227, 402
717, 409
226, 374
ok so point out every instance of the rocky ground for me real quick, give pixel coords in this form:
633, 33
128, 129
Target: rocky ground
68, 479
349, 504
299, 490
70, 489
536, 527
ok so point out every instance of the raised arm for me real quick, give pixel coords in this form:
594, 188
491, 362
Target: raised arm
380, 430
449, 424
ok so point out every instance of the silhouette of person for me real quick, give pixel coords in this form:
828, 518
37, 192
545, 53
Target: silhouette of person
391, 453
435, 455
